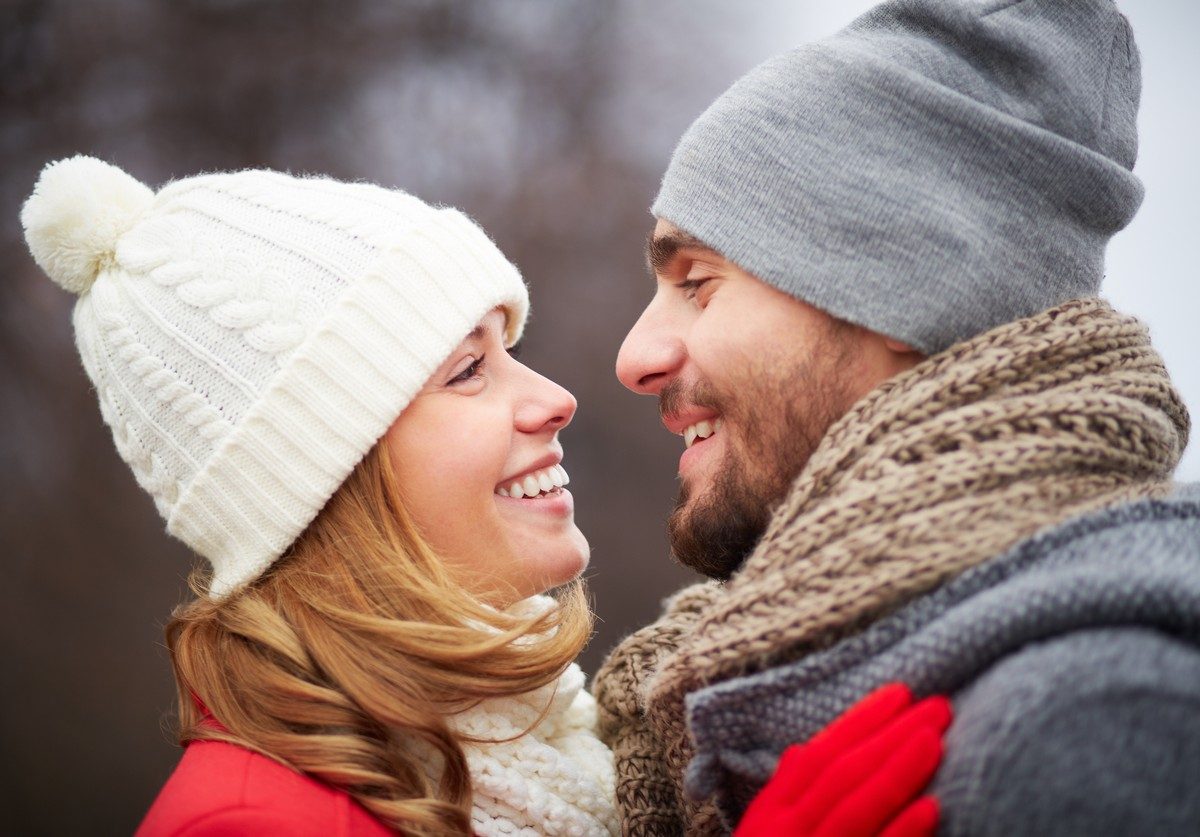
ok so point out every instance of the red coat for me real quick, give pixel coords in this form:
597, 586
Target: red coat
222, 790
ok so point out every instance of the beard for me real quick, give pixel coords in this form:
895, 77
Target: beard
775, 421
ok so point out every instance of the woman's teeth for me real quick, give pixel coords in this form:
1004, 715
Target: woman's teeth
539, 482
701, 430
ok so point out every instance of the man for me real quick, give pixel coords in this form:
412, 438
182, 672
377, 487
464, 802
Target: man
918, 446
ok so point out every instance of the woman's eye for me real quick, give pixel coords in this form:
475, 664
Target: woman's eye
470, 372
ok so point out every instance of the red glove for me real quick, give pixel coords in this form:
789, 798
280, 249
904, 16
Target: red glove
860, 775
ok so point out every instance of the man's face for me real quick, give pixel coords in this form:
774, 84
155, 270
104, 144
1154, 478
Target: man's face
751, 378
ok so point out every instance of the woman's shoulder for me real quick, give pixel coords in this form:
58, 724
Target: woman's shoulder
223, 790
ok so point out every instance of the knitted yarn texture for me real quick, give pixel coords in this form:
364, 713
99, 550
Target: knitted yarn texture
934, 472
555, 779
1079, 620
251, 335
935, 169
537, 765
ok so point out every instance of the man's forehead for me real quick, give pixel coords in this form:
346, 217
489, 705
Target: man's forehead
666, 241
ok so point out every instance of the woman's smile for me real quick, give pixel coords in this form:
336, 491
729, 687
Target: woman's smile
490, 426
557, 502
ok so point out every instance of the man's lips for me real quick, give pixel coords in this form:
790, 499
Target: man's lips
681, 421
700, 449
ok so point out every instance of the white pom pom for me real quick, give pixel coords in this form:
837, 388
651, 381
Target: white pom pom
78, 209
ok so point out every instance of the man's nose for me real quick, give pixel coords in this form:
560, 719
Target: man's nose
652, 353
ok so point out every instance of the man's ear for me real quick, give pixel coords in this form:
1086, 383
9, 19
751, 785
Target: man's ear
898, 347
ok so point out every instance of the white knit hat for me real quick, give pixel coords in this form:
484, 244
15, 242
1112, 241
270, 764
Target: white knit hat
251, 335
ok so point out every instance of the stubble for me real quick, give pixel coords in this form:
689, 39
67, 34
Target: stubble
774, 422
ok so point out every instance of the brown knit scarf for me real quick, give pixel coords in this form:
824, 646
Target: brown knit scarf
934, 472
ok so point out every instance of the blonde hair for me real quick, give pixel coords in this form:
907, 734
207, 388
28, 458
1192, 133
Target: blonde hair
355, 646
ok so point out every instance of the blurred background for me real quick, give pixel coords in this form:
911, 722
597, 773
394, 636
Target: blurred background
550, 123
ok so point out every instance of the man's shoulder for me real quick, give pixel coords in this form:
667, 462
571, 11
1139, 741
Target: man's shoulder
1169, 525
1113, 663
1096, 731
223, 789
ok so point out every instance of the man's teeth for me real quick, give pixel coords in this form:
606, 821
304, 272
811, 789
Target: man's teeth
701, 430
539, 482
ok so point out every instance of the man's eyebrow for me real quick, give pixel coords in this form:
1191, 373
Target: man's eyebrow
660, 250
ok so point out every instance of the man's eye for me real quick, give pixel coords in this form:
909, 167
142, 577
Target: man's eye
691, 286
470, 372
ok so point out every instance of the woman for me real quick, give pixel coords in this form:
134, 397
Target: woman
313, 380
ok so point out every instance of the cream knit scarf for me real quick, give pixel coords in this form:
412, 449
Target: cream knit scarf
937, 470
555, 779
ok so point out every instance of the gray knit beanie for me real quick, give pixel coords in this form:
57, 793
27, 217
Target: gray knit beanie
936, 169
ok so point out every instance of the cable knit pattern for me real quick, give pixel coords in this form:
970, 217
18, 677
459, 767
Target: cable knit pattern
234, 290
557, 779
251, 335
933, 473
537, 766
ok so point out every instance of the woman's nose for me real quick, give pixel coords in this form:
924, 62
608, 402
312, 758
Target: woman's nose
548, 407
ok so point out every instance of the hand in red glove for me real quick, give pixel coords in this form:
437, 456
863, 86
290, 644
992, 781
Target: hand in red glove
860, 775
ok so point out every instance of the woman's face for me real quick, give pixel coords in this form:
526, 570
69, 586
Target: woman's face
483, 425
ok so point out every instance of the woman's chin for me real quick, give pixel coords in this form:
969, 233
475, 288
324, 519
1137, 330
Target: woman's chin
557, 565
546, 571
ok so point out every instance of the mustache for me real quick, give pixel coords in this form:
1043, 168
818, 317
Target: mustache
675, 395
